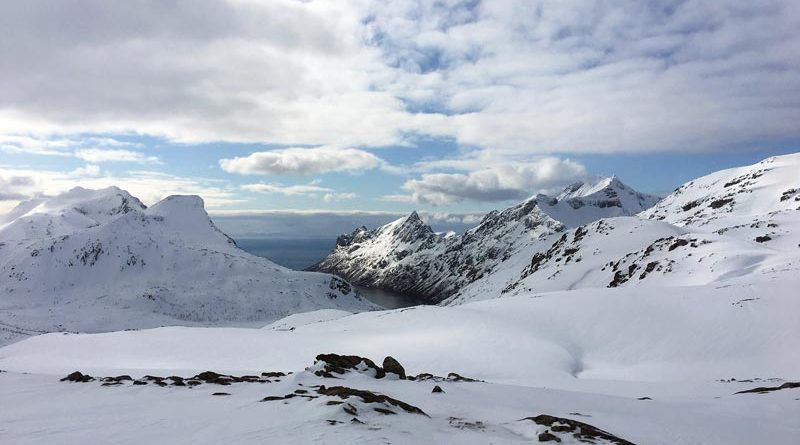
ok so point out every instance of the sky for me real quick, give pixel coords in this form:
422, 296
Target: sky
369, 107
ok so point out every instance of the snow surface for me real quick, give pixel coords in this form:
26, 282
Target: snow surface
98, 260
594, 352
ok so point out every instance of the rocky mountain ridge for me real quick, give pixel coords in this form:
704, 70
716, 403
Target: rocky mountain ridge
406, 256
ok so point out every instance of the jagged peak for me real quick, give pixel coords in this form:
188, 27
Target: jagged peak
408, 228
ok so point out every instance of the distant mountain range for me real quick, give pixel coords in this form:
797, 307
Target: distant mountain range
406, 256
99, 260
600, 234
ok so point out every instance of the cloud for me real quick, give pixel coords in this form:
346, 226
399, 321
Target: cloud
99, 155
90, 149
516, 76
334, 197
87, 170
496, 183
149, 186
297, 161
288, 190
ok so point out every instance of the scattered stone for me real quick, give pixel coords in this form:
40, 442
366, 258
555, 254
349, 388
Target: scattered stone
344, 392
457, 422
334, 402
274, 398
350, 409
437, 389
77, 377
763, 239
644, 398
454, 377
393, 366
583, 432
547, 436
384, 411
221, 394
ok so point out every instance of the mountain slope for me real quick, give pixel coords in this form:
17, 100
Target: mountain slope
98, 260
756, 201
406, 256
732, 225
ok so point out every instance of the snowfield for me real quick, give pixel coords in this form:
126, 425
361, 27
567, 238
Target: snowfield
591, 352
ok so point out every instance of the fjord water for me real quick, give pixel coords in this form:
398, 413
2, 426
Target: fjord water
300, 253
294, 253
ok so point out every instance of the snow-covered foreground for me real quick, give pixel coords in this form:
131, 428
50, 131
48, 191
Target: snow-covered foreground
594, 352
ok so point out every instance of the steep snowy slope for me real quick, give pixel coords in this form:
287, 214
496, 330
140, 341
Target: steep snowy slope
627, 251
98, 260
406, 256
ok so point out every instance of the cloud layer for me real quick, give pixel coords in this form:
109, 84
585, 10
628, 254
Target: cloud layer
516, 76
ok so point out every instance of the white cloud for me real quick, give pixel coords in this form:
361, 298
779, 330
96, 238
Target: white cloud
87, 170
515, 75
100, 155
334, 197
288, 190
499, 182
15, 143
296, 161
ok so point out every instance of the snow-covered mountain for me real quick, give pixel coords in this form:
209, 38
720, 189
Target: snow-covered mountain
406, 256
759, 202
716, 228
728, 226
99, 260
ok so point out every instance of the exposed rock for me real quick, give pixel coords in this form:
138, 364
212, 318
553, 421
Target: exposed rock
77, 377
393, 366
583, 432
437, 389
766, 389
344, 393
339, 364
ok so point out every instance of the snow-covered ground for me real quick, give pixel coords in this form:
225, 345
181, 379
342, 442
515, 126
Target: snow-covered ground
592, 351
